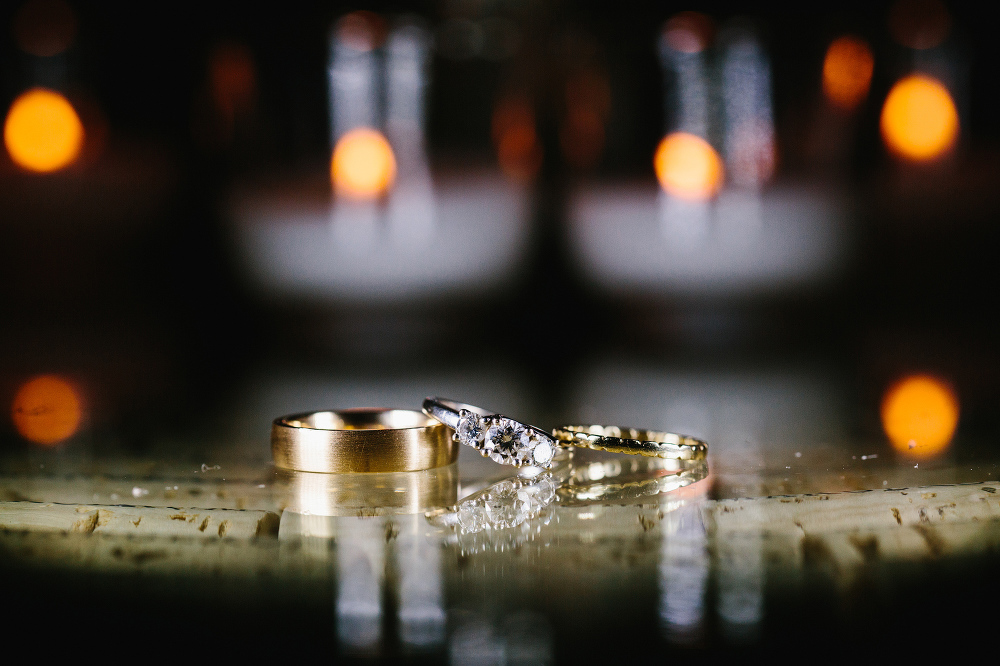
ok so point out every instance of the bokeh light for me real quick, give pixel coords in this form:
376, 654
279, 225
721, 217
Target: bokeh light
919, 24
847, 72
43, 132
919, 415
919, 118
518, 150
47, 410
363, 164
44, 28
362, 30
688, 167
233, 80
689, 32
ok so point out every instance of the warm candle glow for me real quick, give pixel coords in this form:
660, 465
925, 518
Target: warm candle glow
43, 132
363, 165
47, 410
847, 72
919, 415
688, 167
919, 119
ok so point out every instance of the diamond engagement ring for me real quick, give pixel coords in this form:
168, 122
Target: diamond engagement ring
505, 440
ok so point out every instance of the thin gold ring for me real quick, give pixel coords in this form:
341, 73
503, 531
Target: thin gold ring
634, 441
361, 440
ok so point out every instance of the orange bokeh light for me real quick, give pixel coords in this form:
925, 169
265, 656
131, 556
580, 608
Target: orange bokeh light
43, 132
47, 410
919, 118
919, 415
518, 150
363, 164
847, 71
688, 167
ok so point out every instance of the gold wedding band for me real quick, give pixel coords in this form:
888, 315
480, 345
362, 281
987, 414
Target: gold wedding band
634, 441
361, 440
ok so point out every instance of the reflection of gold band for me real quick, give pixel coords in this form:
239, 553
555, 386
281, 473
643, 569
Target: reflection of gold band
379, 494
361, 440
650, 443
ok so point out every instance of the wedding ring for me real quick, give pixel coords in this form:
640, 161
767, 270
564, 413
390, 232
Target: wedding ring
361, 440
503, 439
633, 441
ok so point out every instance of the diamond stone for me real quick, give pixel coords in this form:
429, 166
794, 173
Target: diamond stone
542, 453
504, 438
471, 518
502, 505
470, 429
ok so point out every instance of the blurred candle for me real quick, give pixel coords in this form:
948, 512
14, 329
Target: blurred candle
412, 209
748, 126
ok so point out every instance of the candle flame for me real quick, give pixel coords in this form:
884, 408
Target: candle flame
919, 118
688, 167
363, 165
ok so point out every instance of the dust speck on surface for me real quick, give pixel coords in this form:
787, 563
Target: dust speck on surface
895, 514
987, 489
268, 525
391, 532
86, 525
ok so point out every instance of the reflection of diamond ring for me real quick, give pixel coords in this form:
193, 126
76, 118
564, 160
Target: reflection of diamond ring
507, 503
504, 440
615, 439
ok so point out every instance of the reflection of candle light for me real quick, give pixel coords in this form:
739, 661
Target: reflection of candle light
688, 167
363, 165
919, 415
847, 72
919, 119
47, 410
43, 133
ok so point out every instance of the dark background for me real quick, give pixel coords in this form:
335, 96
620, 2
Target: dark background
150, 313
